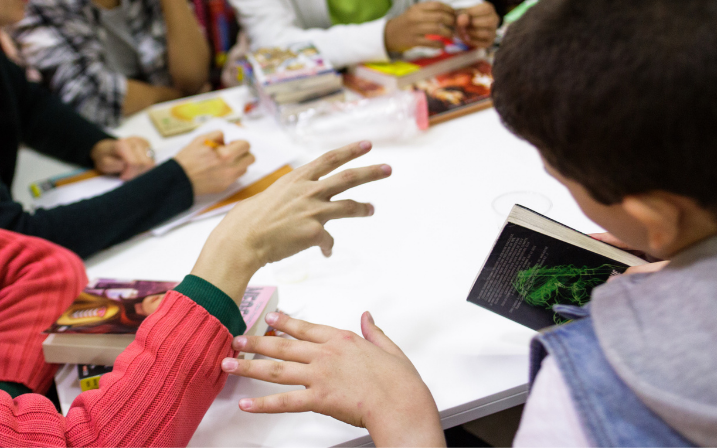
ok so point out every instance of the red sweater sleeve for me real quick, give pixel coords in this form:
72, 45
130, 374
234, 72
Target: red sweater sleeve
38, 281
157, 394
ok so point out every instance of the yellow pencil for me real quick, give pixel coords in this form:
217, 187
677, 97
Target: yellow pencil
211, 143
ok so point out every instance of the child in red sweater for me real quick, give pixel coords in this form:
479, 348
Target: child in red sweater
164, 382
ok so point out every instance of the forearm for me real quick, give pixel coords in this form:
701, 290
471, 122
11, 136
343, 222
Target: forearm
187, 49
141, 95
89, 226
229, 272
270, 23
167, 379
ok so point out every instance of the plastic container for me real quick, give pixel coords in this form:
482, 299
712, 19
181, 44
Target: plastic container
388, 118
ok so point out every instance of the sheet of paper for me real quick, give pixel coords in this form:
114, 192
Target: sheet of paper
271, 150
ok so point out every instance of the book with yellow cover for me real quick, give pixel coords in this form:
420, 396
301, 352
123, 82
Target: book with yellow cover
189, 115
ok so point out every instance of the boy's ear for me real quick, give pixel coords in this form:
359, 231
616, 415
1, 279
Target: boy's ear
660, 216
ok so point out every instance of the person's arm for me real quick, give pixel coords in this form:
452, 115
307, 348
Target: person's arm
159, 390
140, 95
89, 226
48, 125
164, 382
38, 281
187, 48
53, 128
271, 22
62, 45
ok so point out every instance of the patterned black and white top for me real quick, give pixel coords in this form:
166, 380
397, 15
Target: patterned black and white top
65, 41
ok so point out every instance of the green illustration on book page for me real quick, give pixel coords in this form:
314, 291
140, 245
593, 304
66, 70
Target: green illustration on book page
545, 286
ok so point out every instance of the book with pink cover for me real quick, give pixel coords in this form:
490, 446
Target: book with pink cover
103, 320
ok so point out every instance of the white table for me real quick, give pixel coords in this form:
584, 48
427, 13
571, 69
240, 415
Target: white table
411, 265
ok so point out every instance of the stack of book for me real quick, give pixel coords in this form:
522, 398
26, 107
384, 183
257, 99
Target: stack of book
290, 79
103, 320
456, 80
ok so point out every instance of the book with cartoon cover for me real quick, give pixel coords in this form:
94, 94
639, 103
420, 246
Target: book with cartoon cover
280, 64
112, 306
458, 92
537, 263
189, 115
103, 320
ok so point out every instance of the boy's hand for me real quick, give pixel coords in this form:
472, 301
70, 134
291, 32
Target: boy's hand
128, 157
211, 165
655, 266
646, 268
363, 382
410, 28
477, 25
285, 219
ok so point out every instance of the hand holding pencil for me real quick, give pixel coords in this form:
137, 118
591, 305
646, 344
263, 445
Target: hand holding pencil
211, 165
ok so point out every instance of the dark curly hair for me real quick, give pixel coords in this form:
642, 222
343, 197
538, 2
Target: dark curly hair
618, 95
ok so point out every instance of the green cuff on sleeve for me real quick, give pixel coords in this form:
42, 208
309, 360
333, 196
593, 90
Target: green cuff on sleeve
215, 301
14, 389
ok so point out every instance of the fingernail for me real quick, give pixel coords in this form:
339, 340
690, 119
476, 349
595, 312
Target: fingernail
245, 404
371, 210
386, 169
365, 145
327, 253
239, 342
229, 364
370, 318
271, 318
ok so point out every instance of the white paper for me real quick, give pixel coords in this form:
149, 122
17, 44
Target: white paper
272, 151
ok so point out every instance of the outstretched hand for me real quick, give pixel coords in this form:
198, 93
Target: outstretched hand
367, 382
285, 219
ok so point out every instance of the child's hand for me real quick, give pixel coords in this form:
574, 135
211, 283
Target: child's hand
611, 240
285, 219
128, 157
410, 28
364, 382
477, 25
655, 266
646, 268
211, 165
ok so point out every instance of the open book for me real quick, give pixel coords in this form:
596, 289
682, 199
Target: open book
274, 154
103, 320
537, 263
